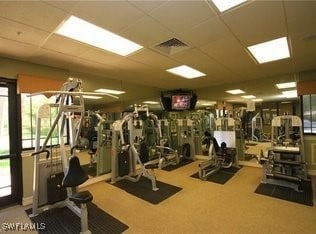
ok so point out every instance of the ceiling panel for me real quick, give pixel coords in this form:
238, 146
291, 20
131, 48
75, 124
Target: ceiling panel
14, 49
147, 6
102, 57
112, 15
257, 22
34, 13
65, 45
279, 67
147, 32
50, 58
153, 59
178, 16
206, 32
66, 6
232, 54
21, 32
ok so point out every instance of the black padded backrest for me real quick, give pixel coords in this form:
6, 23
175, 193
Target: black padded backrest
75, 175
216, 146
143, 152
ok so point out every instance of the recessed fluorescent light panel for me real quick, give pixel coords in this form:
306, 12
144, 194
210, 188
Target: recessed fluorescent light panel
286, 85
235, 91
224, 5
290, 93
91, 97
186, 72
248, 96
151, 102
109, 91
83, 31
257, 100
271, 50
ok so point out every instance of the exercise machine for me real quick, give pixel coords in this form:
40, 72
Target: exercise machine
69, 115
257, 129
222, 148
130, 151
100, 140
284, 162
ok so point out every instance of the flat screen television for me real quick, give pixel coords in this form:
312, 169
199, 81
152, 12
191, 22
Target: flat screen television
180, 102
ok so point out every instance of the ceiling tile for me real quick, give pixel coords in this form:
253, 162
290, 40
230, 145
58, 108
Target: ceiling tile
50, 58
65, 45
257, 22
111, 15
232, 55
66, 6
147, 6
206, 32
21, 32
147, 32
180, 15
14, 49
34, 13
102, 57
153, 59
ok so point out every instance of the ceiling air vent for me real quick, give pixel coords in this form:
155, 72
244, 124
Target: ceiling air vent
172, 46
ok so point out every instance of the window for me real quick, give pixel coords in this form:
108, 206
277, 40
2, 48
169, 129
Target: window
30, 106
309, 113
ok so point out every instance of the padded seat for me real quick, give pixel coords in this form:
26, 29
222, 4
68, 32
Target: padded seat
81, 197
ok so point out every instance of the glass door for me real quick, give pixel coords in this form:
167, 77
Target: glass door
10, 155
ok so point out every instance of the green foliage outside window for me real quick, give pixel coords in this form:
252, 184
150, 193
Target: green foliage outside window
30, 106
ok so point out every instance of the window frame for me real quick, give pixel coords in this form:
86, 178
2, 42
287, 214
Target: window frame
310, 114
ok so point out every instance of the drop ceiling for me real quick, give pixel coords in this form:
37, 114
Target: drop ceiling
216, 42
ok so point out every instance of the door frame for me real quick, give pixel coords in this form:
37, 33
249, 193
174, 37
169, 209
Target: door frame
15, 139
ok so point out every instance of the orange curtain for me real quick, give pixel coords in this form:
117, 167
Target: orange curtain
306, 87
33, 84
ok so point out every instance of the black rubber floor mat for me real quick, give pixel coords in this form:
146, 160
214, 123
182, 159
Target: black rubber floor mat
91, 171
63, 220
305, 197
142, 189
221, 177
181, 164
250, 156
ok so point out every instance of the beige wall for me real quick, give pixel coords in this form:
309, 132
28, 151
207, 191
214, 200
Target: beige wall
310, 151
27, 176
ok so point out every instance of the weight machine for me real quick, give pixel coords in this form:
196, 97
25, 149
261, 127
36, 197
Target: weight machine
223, 155
284, 162
70, 115
100, 143
133, 144
257, 129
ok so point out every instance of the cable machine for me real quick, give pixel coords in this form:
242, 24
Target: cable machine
70, 116
222, 149
284, 162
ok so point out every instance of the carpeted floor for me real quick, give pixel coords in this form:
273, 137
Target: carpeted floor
200, 207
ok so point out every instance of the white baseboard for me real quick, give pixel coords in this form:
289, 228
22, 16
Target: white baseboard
27, 201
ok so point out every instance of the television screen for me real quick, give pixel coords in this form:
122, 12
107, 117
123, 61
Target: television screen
180, 102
